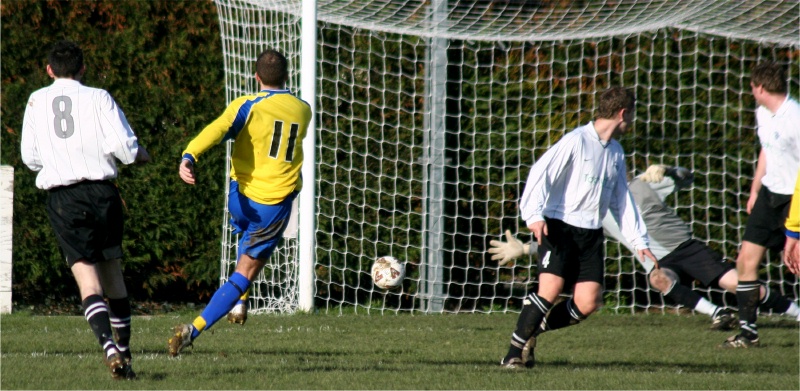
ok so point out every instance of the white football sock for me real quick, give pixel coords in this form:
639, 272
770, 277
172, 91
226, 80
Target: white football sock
793, 310
706, 307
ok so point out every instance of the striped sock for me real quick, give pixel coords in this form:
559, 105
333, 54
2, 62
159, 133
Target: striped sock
120, 317
96, 313
747, 297
562, 315
534, 309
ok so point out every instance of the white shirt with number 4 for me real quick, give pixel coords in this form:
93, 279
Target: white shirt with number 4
72, 133
578, 180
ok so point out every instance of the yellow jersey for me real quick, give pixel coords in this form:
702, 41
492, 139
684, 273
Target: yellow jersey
793, 220
268, 130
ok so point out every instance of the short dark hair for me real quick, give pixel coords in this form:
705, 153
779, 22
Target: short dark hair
272, 68
771, 76
612, 100
65, 59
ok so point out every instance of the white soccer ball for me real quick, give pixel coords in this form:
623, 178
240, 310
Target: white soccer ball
388, 272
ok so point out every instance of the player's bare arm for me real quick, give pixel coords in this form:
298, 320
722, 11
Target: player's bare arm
539, 230
761, 169
791, 255
649, 254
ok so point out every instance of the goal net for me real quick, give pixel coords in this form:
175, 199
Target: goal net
430, 113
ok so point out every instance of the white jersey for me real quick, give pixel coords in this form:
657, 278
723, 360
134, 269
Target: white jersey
578, 180
72, 133
779, 134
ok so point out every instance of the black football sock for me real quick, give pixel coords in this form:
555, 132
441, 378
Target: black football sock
96, 313
684, 296
534, 309
562, 315
120, 317
774, 301
747, 297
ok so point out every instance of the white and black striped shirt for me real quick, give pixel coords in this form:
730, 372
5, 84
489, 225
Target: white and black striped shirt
578, 180
72, 133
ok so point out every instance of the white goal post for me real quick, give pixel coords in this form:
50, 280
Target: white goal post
428, 115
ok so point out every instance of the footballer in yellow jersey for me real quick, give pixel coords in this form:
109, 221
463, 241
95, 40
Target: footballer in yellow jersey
791, 250
267, 153
268, 130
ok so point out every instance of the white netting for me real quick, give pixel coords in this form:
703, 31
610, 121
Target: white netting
429, 115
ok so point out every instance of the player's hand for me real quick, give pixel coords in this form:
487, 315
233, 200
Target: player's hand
654, 173
141, 155
505, 252
791, 255
186, 171
751, 202
645, 252
539, 230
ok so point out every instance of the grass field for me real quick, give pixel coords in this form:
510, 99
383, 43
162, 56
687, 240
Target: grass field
316, 351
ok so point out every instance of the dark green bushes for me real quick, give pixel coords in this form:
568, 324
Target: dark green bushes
162, 62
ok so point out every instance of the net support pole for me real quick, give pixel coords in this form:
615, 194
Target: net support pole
308, 92
435, 92
6, 235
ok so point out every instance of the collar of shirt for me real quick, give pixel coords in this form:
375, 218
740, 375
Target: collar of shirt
66, 81
596, 136
784, 107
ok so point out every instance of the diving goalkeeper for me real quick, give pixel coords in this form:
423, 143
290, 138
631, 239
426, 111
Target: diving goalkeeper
682, 259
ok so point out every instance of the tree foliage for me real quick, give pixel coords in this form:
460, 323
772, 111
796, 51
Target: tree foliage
162, 62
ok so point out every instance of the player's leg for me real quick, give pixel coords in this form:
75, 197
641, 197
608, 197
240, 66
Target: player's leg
263, 227
667, 281
693, 260
772, 300
96, 313
764, 231
238, 313
73, 214
113, 283
220, 304
535, 307
587, 296
585, 274
554, 255
729, 281
110, 221
748, 290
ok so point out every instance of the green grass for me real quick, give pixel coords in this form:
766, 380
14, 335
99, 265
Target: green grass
402, 352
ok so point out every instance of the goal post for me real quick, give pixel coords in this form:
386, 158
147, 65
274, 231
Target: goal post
6, 236
308, 92
428, 115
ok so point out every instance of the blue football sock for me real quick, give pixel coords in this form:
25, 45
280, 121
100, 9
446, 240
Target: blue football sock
224, 299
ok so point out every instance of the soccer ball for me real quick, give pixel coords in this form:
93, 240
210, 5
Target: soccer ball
388, 272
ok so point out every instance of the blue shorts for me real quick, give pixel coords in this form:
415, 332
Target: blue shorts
261, 226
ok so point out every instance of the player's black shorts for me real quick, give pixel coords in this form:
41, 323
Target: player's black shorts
765, 224
693, 260
573, 253
87, 220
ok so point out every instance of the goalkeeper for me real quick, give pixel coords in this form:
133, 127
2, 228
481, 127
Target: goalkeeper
682, 259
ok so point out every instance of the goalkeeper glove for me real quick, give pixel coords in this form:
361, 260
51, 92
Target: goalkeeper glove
505, 252
654, 173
